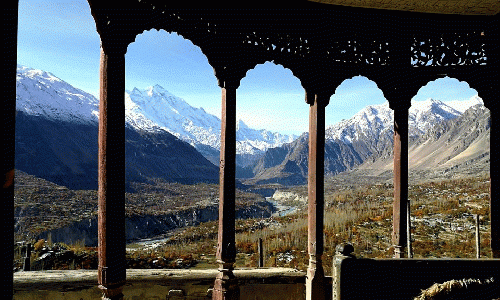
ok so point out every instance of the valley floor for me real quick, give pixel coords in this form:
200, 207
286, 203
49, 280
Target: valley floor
441, 217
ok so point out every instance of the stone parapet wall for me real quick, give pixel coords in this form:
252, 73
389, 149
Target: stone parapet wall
406, 278
265, 283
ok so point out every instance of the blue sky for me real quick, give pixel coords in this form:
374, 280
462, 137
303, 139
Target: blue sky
60, 37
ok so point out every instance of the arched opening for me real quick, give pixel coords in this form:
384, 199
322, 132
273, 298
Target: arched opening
175, 90
270, 102
449, 164
270, 112
174, 104
352, 198
56, 130
359, 116
358, 161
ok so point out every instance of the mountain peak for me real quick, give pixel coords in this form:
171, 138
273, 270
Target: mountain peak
41, 93
241, 125
35, 73
157, 90
136, 91
429, 102
463, 105
476, 99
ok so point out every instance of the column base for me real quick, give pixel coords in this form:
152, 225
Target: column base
226, 285
111, 293
315, 281
399, 252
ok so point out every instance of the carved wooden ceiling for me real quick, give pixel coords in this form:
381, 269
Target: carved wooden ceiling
461, 7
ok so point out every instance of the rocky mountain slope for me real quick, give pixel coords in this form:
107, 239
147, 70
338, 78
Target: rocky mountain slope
440, 135
56, 139
66, 153
288, 164
152, 111
456, 146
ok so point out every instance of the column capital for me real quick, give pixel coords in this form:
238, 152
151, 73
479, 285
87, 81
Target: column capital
399, 105
322, 99
321, 86
229, 77
399, 87
397, 92
113, 46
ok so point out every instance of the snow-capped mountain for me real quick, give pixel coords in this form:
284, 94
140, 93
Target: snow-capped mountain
252, 141
369, 123
154, 114
40, 93
422, 115
462, 106
155, 108
56, 139
375, 121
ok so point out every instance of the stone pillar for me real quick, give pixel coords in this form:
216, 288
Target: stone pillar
111, 174
27, 258
261, 254
342, 253
315, 281
226, 284
408, 230
8, 108
400, 180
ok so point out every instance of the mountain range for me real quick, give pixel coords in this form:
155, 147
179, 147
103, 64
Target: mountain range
442, 136
56, 137
156, 109
165, 136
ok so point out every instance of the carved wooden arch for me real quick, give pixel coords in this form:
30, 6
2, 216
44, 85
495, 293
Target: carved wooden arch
181, 35
397, 85
486, 84
368, 75
479, 79
461, 79
315, 44
228, 53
